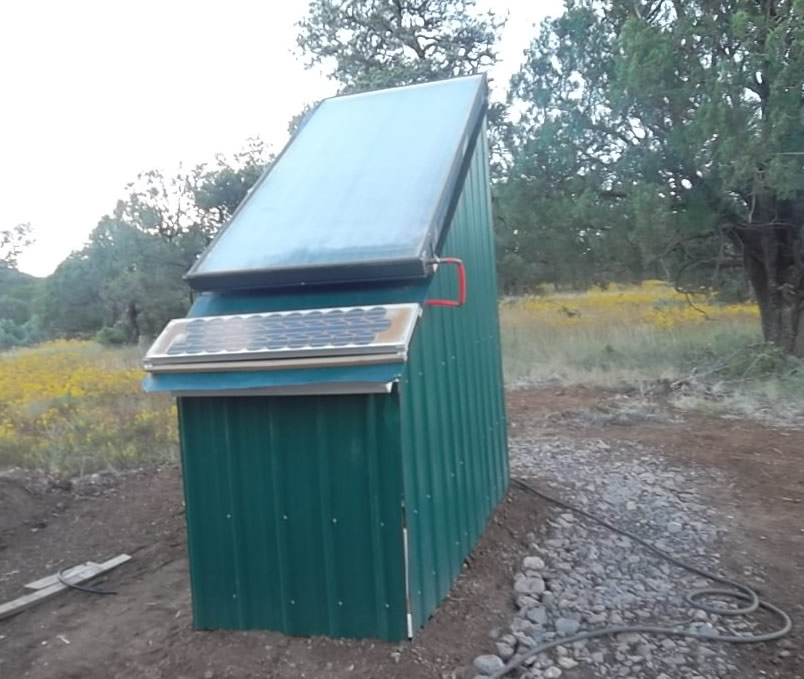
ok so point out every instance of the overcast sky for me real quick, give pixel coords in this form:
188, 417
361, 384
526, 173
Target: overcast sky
94, 92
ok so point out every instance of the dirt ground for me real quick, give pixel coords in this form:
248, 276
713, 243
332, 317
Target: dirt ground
145, 630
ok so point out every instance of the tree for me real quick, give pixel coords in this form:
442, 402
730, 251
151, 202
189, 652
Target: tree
12, 243
127, 281
123, 279
685, 121
370, 44
200, 199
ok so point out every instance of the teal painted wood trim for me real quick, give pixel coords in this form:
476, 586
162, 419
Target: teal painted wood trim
453, 418
293, 509
221, 381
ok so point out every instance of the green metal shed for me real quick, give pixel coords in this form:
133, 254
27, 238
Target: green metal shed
340, 404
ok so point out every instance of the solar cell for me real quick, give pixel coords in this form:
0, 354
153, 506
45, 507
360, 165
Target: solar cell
291, 334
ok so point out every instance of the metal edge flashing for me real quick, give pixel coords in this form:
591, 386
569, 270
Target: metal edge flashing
320, 389
460, 166
461, 174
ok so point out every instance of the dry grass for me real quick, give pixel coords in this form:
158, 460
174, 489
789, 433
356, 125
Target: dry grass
76, 407
710, 354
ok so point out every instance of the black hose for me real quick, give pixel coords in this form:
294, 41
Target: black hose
81, 588
739, 591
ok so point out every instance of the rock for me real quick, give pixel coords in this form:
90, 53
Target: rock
630, 506
209, 674
598, 657
522, 626
705, 653
567, 663
529, 585
488, 664
505, 651
567, 626
552, 672
509, 639
708, 630
674, 527
537, 614
536, 585
676, 660
533, 563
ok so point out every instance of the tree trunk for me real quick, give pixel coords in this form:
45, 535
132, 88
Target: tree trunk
133, 321
773, 262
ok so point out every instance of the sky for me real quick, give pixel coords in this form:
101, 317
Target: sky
94, 92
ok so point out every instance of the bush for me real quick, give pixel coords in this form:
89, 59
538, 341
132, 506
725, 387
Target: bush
113, 336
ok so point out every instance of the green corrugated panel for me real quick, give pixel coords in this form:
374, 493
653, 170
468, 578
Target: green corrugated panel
453, 422
293, 514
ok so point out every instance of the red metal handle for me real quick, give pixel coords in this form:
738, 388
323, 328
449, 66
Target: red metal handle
461, 284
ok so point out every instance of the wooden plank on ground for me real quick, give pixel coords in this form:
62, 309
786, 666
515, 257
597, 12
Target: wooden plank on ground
75, 571
18, 605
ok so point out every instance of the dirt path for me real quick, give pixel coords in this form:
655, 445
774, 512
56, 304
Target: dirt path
145, 630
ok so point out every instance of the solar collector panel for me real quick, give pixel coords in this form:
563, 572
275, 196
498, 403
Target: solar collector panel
361, 192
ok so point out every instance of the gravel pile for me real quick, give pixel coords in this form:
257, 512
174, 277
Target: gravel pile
580, 576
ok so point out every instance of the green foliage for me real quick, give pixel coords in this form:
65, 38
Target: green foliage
13, 334
668, 137
12, 242
19, 324
111, 337
371, 44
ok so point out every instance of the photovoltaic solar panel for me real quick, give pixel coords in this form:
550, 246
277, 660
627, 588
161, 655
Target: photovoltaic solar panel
348, 331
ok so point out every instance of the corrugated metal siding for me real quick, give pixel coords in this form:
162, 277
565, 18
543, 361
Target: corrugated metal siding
293, 514
453, 418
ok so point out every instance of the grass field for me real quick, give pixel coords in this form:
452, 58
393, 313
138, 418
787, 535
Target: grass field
640, 335
624, 334
77, 407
